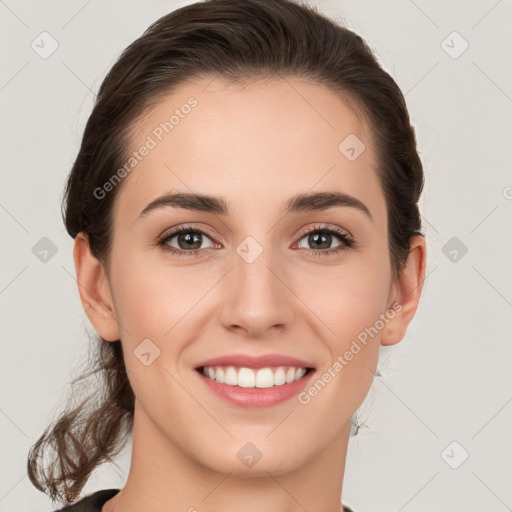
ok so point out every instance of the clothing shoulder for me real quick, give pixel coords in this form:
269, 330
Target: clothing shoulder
91, 503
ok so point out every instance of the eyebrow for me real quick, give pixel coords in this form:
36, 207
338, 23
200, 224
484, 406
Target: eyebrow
299, 203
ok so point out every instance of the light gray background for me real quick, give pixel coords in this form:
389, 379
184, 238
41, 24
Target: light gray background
448, 380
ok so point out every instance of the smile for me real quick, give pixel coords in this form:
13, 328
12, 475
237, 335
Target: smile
254, 378
254, 387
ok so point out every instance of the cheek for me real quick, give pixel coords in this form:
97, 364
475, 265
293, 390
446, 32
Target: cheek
151, 297
350, 306
351, 303
347, 299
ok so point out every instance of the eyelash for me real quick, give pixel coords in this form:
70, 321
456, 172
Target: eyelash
347, 241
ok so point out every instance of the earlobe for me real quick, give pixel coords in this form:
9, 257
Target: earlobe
408, 286
94, 290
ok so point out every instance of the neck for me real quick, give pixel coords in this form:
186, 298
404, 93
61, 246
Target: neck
164, 478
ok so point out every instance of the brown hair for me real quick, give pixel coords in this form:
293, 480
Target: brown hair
238, 40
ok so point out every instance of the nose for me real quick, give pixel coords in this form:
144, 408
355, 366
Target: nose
258, 298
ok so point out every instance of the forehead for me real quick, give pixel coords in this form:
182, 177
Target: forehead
254, 144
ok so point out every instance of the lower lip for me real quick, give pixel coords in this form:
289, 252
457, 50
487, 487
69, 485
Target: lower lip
256, 397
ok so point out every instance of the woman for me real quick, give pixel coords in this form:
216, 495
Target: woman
244, 206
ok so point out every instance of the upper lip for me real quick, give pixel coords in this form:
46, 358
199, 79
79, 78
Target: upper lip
248, 361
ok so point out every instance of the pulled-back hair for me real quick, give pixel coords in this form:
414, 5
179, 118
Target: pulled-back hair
239, 40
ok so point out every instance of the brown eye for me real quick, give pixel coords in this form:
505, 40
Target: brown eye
321, 238
188, 240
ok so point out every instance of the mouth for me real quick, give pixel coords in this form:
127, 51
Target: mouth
260, 378
255, 387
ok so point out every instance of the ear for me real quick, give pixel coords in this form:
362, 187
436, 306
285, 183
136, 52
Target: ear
406, 290
94, 290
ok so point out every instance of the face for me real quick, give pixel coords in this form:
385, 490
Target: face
269, 275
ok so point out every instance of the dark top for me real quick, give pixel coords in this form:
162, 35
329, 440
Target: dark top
95, 501
91, 503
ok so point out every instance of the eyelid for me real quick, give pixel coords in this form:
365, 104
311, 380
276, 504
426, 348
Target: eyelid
302, 232
325, 227
187, 227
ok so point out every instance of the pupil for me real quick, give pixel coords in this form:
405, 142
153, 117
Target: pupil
323, 236
191, 240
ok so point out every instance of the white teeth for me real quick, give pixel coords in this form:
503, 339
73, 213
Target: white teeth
219, 375
279, 377
300, 372
231, 376
251, 378
246, 378
264, 378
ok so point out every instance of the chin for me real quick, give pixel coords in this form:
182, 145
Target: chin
253, 459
